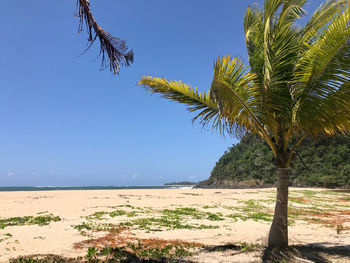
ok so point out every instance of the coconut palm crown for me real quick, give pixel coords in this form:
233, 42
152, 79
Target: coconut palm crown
297, 84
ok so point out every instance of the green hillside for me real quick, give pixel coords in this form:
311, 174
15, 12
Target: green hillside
324, 162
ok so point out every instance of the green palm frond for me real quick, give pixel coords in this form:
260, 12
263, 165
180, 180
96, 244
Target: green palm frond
291, 11
270, 9
322, 74
273, 47
284, 46
252, 21
269, 26
253, 26
322, 16
329, 115
239, 99
194, 99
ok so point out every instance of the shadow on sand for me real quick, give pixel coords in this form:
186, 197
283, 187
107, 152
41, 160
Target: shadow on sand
316, 252
126, 258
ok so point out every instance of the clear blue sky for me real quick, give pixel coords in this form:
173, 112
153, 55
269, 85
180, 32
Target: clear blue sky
64, 122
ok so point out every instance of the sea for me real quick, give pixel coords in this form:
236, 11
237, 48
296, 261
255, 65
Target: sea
55, 188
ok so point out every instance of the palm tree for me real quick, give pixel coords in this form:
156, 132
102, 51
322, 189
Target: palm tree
112, 49
297, 84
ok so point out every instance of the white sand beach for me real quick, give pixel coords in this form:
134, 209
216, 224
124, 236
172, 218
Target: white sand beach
215, 217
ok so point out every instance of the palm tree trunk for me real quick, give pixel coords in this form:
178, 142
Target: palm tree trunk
278, 236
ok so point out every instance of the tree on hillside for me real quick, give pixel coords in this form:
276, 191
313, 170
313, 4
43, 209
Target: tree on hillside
114, 51
323, 162
296, 85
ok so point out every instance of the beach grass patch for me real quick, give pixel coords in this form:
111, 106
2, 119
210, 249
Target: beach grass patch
298, 200
215, 217
42, 212
308, 193
5, 236
250, 210
157, 224
103, 215
210, 206
177, 218
251, 205
97, 215
258, 216
261, 216
138, 252
93, 226
193, 194
83, 226
202, 226
236, 216
123, 246
117, 213
46, 259
41, 220
39, 237
132, 214
247, 247
183, 211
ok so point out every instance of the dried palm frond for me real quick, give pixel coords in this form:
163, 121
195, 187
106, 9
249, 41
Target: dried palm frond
115, 49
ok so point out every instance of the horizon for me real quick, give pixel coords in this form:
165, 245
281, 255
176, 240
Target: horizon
70, 186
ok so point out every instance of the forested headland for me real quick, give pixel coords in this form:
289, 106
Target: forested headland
324, 162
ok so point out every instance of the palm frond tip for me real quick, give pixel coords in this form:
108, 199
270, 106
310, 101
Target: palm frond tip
114, 51
196, 101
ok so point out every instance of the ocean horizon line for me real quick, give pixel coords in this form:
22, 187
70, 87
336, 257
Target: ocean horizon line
93, 187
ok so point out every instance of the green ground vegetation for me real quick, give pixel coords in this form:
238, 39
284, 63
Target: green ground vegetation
138, 251
5, 237
328, 208
324, 207
41, 220
148, 219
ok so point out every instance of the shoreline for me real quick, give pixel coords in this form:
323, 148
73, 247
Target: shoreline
155, 187
87, 188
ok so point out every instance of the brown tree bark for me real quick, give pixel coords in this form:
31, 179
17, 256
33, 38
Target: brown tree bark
278, 236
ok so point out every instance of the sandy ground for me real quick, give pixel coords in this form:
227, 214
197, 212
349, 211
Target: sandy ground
74, 206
